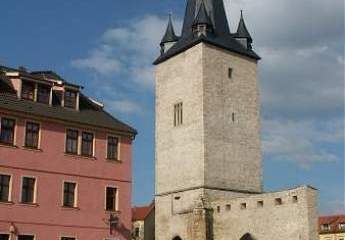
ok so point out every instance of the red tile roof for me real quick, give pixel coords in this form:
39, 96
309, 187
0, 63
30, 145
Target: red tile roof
140, 213
333, 222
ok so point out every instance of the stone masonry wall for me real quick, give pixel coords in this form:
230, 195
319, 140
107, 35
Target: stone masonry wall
266, 218
232, 143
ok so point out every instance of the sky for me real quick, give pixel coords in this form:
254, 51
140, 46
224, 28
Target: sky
108, 46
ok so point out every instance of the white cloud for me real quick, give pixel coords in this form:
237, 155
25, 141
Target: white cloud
301, 141
128, 50
124, 106
100, 60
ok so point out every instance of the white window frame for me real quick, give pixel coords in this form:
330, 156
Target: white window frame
75, 204
39, 132
79, 141
10, 186
119, 159
21, 189
15, 127
116, 200
93, 142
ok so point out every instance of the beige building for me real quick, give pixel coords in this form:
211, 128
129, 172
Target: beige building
208, 146
332, 227
143, 223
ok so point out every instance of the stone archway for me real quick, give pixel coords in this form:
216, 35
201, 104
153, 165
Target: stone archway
177, 238
247, 236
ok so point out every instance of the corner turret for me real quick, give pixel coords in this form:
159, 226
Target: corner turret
242, 35
169, 38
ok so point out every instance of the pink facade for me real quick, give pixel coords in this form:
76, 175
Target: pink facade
46, 218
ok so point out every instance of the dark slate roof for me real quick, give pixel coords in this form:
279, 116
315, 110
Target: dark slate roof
242, 31
89, 113
202, 17
221, 36
169, 35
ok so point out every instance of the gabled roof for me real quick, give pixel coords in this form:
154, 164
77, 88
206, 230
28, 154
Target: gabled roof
242, 31
140, 213
220, 37
333, 222
169, 35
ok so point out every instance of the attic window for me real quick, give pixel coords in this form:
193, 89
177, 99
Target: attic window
43, 94
325, 227
70, 99
28, 91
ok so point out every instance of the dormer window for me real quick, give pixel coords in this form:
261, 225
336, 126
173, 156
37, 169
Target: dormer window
70, 99
325, 227
28, 91
43, 94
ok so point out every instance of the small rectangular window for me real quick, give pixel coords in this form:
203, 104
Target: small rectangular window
111, 199
7, 131
230, 73
28, 190
87, 144
5, 181
228, 207
260, 204
32, 135
28, 91
137, 232
25, 237
72, 141
112, 149
43, 94
243, 206
70, 99
294, 199
69, 198
4, 237
178, 114
67, 238
278, 201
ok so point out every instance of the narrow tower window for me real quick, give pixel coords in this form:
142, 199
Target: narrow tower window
230, 73
233, 117
178, 114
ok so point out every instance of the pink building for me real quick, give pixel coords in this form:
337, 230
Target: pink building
65, 163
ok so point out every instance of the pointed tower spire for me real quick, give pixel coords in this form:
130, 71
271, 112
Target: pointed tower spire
242, 34
169, 37
206, 21
202, 22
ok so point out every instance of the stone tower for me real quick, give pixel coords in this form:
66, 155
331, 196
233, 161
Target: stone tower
208, 149
207, 115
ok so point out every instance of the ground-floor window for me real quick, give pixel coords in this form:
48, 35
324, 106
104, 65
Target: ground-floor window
26, 237
4, 237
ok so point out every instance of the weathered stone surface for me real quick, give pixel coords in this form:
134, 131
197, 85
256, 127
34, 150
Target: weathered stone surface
216, 153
